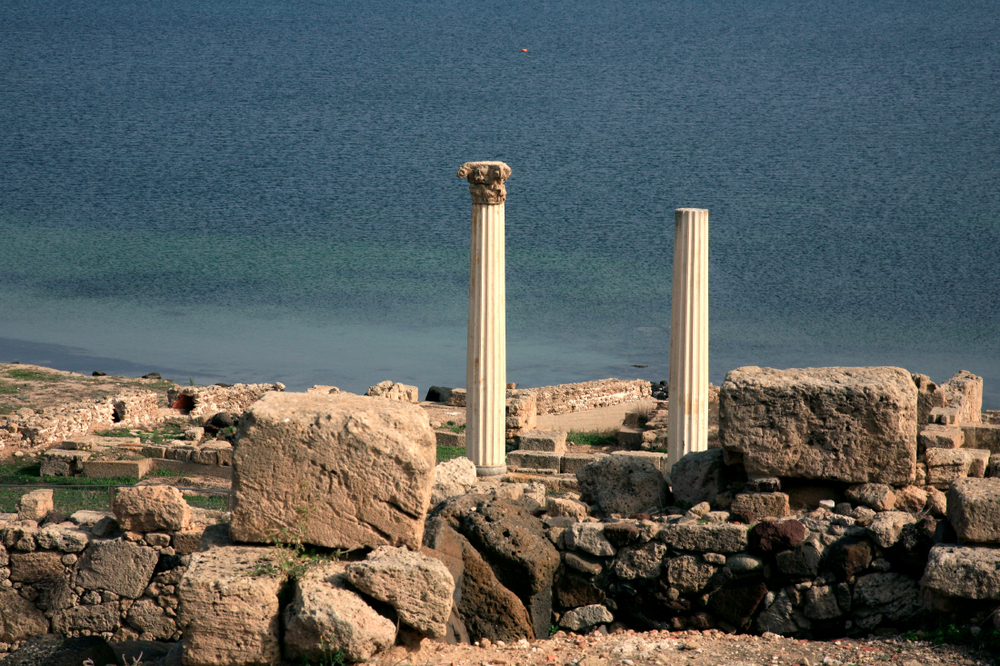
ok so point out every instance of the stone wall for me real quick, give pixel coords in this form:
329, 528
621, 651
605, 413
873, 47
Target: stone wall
208, 400
566, 398
99, 573
27, 428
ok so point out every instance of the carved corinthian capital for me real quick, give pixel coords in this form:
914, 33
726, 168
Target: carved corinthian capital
486, 181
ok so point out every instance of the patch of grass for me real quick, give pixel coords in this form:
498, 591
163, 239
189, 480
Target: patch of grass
592, 437
952, 634
66, 500
213, 502
9, 389
166, 431
115, 432
7, 408
453, 427
35, 375
445, 453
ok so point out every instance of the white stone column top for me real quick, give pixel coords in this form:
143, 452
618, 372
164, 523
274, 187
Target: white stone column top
486, 181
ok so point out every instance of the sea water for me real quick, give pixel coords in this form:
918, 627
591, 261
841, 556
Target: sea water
265, 190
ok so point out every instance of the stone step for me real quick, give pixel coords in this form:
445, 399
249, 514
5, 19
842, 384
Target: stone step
449, 438
550, 461
553, 482
542, 440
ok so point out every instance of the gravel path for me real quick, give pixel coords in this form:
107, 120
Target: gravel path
690, 648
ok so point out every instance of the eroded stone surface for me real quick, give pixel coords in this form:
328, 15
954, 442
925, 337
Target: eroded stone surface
341, 470
151, 509
965, 572
974, 509
117, 565
843, 424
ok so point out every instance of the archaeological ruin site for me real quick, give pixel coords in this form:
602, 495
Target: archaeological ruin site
816, 503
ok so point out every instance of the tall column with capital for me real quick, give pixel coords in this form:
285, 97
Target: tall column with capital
486, 360
687, 420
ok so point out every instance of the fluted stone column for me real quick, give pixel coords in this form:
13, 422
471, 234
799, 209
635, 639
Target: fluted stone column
687, 424
486, 360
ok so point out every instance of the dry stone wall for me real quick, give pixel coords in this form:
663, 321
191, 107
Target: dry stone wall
566, 398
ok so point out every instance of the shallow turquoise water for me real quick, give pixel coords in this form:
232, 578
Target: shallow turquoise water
241, 191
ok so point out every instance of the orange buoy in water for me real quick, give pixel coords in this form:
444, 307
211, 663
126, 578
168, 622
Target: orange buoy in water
524, 50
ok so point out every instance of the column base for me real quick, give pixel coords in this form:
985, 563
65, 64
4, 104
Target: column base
490, 470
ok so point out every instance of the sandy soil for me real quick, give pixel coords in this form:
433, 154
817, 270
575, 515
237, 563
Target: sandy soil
689, 648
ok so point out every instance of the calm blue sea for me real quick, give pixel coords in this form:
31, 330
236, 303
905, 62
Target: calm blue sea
250, 190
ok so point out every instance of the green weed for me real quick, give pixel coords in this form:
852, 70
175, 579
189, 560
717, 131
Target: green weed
9, 389
445, 453
592, 437
35, 375
453, 427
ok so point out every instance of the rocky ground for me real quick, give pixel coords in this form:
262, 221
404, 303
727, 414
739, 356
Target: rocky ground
691, 648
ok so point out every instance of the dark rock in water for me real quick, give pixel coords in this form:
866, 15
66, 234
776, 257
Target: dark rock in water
98, 373
152, 375
222, 385
54, 650
438, 394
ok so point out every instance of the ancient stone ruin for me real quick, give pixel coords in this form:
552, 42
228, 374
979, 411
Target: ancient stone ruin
838, 502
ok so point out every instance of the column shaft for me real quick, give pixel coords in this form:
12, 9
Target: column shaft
687, 426
486, 364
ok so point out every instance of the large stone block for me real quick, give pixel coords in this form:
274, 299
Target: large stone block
118, 566
622, 484
843, 424
967, 573
340, 471
228, 608
947, 465
152, 509
419, 587
19, 619
982, 436
974, 509
35, 505
325, 615
964, 393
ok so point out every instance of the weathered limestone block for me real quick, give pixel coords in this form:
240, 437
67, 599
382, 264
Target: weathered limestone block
116, 565
844, 424
585, 617
982, 436
589, 537
342, 470
535, 460
929, 396
452, 477
876, 496
964, 393
947, 465
623, 485
95, 619
521, 412
964, 572
64, 538
33, 567
60, 462
35, 505
393, 391
974, 509
699, 476
542, 440
419, 587
911, 498
150, 620
751, 507
888, 525
152, 509
19, 619
326, 615
564, 507
705, 537
644, 561
936, 436
689, 574
229, 614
